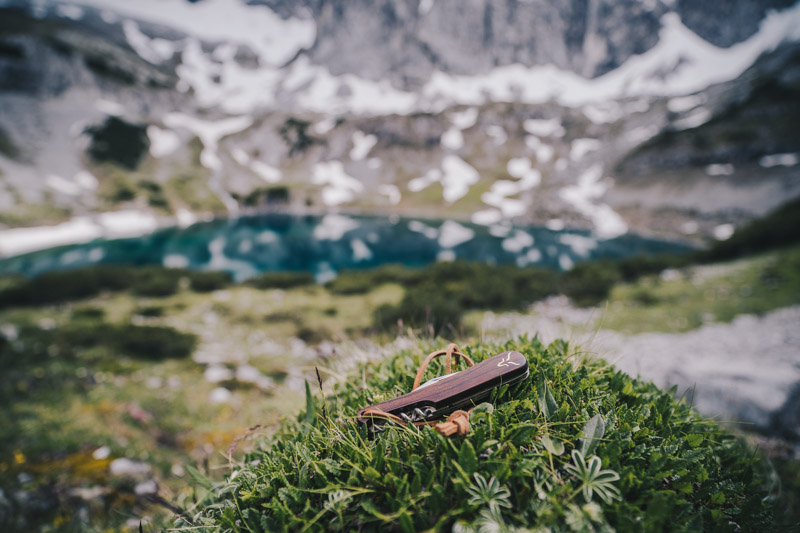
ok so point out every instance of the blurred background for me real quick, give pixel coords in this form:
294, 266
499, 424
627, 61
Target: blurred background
203, 200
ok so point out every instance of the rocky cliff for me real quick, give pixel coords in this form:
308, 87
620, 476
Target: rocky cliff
672, 118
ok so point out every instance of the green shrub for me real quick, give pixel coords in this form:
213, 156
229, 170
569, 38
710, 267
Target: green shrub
154, 342
69, 285
119, 142
590, 283
439, 294
633, 267
578, 446
281, 280
144, 342
150, 311
209, 281
776, 230
156, 281
295, 134
267, 196
89, 313
363, 281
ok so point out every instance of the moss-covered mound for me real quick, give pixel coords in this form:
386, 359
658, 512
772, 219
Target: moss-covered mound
576, 447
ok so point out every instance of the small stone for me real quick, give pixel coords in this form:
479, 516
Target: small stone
146, 487
101, 453
124, 467
217, 374
220, 395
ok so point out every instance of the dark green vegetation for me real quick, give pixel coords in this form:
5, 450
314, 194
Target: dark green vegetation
266, 196
7, 146
576, 447
281, 280
776, 230
295, 134
119, 142
62, 286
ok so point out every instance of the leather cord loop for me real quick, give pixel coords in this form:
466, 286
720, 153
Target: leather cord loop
452, 349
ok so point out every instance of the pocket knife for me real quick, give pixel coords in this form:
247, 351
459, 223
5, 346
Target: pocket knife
437, 398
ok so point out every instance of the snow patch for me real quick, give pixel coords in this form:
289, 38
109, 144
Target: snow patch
338, 186
518, 242
698, 117
425, 7
783, 160
256, 26
86, 179
392, 192
584, 195
682, 104
324, 126
580, 245
723, 232
581, 147
266, 172
117, 224
419, 227
451, 234
544, 128
332, 227
155, 51
184, 217
175, 261
361, 251
69, 11
452, 139
464, 119
719, 169
432, 176
362, 144
457, 176
112, 109
486, 217
497, 134
209, 132
544, 152
162, 142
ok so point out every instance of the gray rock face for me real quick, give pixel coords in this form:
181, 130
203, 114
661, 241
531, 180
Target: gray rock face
406, 40
741, 18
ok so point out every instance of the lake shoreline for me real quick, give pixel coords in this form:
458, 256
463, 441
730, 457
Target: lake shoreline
130, 223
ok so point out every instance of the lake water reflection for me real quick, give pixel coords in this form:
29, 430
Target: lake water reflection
328, 244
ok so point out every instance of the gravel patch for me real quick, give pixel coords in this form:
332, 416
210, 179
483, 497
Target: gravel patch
745, 372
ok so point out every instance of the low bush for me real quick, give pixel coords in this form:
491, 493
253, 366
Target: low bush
209, 281
69, 285
155, 281
119, 142
363, 281
281, 280
590, 283
144, 342
439, 294
776, 230
578, 446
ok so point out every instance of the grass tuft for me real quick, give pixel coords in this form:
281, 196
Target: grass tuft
576, 447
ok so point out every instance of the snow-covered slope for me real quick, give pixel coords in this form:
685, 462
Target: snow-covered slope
492, 111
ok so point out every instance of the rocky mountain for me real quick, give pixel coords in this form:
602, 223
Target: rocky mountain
673, 118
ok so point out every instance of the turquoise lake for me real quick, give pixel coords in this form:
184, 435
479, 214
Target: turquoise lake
328, 244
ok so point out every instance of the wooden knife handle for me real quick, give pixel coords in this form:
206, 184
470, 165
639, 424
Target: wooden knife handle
460, 387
